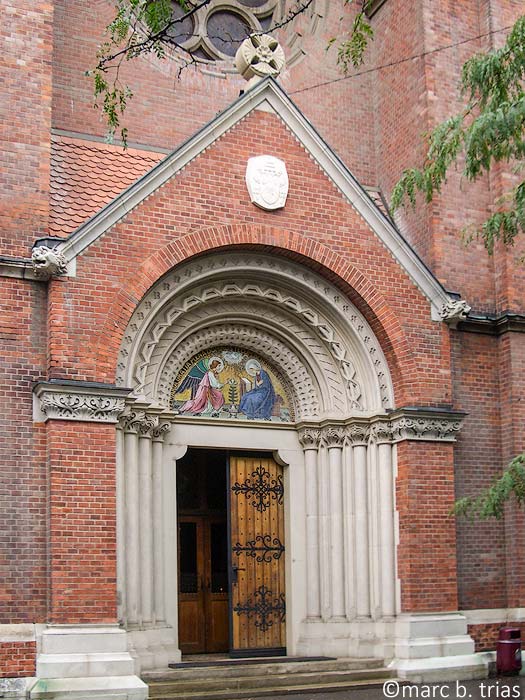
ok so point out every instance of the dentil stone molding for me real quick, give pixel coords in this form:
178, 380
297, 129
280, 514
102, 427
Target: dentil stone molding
79, 401
48, 262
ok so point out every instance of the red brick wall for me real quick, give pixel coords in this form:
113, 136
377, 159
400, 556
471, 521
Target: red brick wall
25, 76
23, 473
82, 521
427, 542
179, 105
478, 459
195, 212
17, 659
485, 636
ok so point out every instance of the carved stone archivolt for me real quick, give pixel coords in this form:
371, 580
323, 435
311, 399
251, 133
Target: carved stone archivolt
303, 324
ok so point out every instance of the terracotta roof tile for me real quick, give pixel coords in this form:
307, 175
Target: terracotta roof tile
87, 175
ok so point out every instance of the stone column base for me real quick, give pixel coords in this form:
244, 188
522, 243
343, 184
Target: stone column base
81, 661
436, 647
153, 649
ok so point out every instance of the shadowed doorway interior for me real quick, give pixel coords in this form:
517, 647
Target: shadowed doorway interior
203, 552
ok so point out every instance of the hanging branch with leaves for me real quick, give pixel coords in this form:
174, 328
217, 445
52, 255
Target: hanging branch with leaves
489, 130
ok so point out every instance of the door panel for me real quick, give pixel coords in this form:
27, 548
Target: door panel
203, 589
191, 594
257, 558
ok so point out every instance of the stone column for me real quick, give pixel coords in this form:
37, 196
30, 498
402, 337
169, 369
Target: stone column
381, 435
131, 423
158, 434
358, 438
333, 437
145, 519
309, 439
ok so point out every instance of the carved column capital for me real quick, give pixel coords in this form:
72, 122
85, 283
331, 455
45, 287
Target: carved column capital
381, 431
334, 435
138, 421
309, 438
160, 431
358, 433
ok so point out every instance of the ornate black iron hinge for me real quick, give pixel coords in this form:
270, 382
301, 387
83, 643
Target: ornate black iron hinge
265, 610
262, 488
262, 548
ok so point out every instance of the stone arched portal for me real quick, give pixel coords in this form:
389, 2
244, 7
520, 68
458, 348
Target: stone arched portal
339, 449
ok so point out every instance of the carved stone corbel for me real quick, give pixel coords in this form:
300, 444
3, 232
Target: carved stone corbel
454, 311
48, 262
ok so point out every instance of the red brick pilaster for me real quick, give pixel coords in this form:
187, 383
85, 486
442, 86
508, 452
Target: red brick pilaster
427, 537
82, 522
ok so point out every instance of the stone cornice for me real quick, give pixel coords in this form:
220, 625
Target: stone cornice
492, 324
411, 423
78, 401
20, 268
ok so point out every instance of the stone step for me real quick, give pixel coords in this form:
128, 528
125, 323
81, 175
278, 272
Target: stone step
284, 679
239, 670
271, 691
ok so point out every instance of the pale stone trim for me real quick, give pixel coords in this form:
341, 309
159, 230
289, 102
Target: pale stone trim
490, 616
17, 633
78, 402
266, 91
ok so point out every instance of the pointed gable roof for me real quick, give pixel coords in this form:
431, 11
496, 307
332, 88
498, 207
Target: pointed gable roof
266, 95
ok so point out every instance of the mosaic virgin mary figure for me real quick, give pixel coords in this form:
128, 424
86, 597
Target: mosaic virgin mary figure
258, 402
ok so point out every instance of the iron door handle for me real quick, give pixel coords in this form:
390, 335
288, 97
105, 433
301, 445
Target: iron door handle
235, 572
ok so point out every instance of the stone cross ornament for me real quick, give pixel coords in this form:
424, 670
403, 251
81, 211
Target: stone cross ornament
258, 56
267, 182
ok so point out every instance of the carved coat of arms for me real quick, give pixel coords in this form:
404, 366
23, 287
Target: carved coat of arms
267, 182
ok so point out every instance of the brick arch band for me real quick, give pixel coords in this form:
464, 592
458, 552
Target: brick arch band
282, 243
302, 323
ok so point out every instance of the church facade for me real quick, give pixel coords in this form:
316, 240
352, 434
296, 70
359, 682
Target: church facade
239, 396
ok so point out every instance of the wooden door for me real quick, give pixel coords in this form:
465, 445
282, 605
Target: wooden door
257, 558
203, 584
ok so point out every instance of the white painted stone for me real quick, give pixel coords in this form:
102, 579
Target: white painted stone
15, 688
439, 669
267, 182
91, 688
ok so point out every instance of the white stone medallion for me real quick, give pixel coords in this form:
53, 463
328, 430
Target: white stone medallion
258, 56
267, 182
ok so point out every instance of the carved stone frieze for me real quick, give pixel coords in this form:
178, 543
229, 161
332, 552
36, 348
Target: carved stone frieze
403, 424
80, 402
425, 428
48, 262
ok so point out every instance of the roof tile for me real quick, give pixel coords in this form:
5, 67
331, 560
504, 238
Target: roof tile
87, 175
